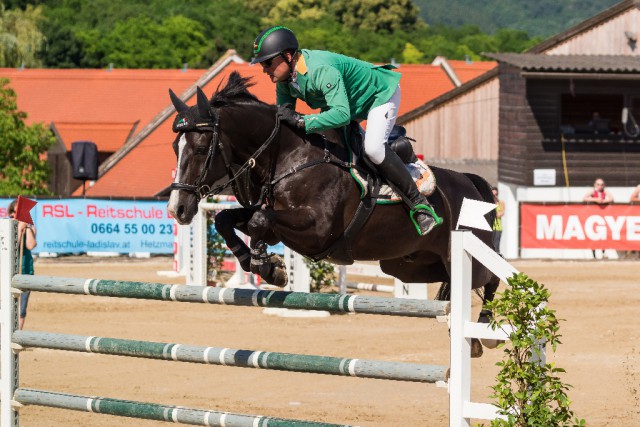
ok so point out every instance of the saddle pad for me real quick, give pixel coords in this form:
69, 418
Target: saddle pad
419, 171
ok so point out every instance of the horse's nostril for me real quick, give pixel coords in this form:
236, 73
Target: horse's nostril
180, 211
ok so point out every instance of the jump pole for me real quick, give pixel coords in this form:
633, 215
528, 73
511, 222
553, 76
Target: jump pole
465, 246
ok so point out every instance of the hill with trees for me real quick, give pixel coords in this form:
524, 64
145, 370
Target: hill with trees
542, 18
168, 34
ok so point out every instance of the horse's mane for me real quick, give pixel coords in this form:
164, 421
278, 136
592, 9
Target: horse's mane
236, 91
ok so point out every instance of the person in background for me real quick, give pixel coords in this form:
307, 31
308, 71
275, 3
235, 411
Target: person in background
599, 194
497, 224
635, 196
27, 234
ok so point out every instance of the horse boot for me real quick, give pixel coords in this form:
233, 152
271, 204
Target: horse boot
268, 266
422, 214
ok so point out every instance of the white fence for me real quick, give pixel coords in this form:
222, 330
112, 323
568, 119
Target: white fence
465, 246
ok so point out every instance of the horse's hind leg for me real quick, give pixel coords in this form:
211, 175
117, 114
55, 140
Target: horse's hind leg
226, 221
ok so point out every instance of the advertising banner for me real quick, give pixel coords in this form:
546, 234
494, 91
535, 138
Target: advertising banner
580, 226
89, 225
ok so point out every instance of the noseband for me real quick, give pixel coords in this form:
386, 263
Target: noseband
202, 190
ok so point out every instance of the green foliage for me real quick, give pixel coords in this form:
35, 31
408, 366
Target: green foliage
141, 43
289, 10
539, 18
377, 15
411, 55
528, 392
216, 248
322, 274
166, 34
20, 36
23, 168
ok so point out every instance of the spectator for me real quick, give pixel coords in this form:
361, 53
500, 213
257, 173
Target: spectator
497, 224
599, 194
635, 196
27, 239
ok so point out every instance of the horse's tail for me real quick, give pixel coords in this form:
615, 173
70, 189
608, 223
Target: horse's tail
484, 188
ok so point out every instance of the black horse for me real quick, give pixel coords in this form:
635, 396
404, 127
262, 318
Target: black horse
297, 189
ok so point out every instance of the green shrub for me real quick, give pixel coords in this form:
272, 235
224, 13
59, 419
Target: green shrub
530, 393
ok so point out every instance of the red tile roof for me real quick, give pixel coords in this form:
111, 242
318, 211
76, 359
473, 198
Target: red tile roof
107, 136
420, 83
102, 101
470, 70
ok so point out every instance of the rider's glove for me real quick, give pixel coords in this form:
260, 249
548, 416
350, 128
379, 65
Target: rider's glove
288, 115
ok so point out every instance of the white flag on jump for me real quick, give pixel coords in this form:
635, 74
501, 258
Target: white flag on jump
472, 214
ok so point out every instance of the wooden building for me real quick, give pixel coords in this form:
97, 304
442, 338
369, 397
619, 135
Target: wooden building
569, 113
565, 112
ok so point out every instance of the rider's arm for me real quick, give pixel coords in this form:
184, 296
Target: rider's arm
283, 95
328, 80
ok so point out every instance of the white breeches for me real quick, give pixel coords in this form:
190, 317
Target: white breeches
380, 121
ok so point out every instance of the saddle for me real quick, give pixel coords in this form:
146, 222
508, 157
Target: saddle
374, 190
365, 170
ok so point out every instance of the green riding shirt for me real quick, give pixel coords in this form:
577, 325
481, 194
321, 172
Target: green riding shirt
343, 88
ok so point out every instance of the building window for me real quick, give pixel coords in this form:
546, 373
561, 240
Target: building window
595, 116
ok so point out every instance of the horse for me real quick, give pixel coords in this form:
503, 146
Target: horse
297, 189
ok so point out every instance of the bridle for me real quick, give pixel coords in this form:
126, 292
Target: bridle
202, 190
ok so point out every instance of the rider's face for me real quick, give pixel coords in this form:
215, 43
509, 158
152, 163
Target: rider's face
277, 69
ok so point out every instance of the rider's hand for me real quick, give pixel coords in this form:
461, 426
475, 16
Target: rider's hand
288, 115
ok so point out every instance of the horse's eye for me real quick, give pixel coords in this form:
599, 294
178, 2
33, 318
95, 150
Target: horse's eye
201, 150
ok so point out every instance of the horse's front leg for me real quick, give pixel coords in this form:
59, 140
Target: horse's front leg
226, 223
263, 223
485, 314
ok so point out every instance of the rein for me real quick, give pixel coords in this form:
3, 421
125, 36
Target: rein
201, 190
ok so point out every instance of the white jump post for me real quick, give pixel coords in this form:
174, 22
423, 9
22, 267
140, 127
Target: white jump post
8, 321
197, 251
464, 247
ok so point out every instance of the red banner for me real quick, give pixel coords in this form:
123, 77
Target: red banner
580, 227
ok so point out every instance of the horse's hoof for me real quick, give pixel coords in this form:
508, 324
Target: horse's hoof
277, 261
476, 348
280, 277
491, 343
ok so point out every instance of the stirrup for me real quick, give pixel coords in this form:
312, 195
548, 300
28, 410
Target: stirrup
430, 211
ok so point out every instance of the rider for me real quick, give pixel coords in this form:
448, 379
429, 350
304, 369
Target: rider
344, 89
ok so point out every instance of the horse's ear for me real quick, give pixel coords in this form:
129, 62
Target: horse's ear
204, 108
177, 102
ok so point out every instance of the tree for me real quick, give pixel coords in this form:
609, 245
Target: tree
287, 10
514, 41
20, 37
141, 43
377, 15
411, 55
23, 167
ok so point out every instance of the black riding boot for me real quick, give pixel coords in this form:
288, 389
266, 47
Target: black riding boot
422, 213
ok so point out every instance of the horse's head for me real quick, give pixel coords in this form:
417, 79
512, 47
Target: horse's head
195, 148
205, 152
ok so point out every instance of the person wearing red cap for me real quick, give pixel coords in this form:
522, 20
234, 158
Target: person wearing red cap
27, 237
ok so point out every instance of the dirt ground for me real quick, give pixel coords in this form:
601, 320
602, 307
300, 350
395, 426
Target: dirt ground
599, 301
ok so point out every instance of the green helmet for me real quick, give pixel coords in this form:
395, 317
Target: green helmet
272, 42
